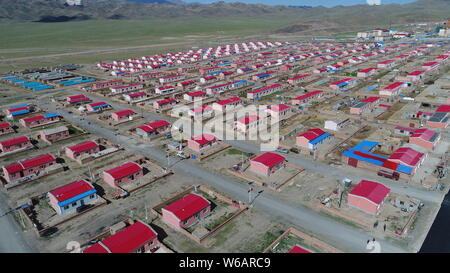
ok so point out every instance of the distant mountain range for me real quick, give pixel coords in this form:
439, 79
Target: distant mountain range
56, 11
169, 2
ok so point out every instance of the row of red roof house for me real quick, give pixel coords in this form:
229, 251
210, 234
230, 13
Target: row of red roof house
15, 144
18, 171
19, 110
364, 105
166, 89
308, 97
6, 128
123, 115
299, 79
24, 142
126, 88
102, 85
220, 88
153, 128
151, 75
393, 89
40, 120
135, 97
54, 134
78, 99
222, 105
135, 238
195, 96
251, 122
172, 78
344, 84
264, 91
205, 111
98, 106
387, 64
164, 103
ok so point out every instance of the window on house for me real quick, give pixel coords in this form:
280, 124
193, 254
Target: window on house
66, 207
74, 204
92, 196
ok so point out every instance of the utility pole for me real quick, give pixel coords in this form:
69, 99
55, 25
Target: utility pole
250, 190
90, 174
146, 212
168, 158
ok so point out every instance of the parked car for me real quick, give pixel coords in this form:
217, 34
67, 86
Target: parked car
182, 155
283, 150
294, 150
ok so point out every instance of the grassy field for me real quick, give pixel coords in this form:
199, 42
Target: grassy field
114, 33
30, 44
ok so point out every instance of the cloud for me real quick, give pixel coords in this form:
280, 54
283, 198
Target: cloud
374, 2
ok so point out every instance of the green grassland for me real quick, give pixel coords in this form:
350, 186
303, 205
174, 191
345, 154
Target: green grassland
113, 33
91, 41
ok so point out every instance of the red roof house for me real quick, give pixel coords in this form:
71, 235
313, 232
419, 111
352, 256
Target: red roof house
192, 96
311, 138
122, 115
307, 97
28, 167
86, 147
278, 110
264, 91
300, 78
443, 108
392, 89
408, 156
5, 128
223, 104
368, 196
122, 174
17, 143
165, 103
267, 163
136, 238
77, 99
425, 138
201, 142
298, 249
186, 211
68, 198
416, 75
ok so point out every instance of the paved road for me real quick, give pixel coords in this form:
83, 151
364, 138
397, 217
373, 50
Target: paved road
341, 235
11, 236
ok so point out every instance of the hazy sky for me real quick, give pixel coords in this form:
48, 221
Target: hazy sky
328, 3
